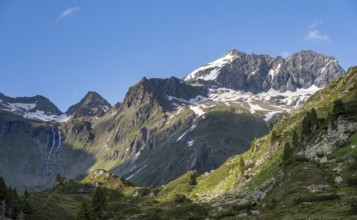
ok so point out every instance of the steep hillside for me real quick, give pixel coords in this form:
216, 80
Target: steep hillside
309, 173
32, 153
147, 128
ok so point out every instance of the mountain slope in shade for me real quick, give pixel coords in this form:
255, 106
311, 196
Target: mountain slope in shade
92, 105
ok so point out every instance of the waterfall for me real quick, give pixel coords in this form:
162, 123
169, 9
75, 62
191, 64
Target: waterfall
50, 164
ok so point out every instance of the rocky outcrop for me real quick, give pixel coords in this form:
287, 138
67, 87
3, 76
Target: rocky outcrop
334, 138
150, 91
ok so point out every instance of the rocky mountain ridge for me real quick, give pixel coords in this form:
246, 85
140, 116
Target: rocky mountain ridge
260, 73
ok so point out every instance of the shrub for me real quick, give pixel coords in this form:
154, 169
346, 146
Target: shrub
287, 154
353, 206
302, 159
273, 137
352, 180
312, 197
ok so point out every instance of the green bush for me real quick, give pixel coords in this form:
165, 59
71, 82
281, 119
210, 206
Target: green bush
313, 197
273, 137
353, 206
352, 180
301, 158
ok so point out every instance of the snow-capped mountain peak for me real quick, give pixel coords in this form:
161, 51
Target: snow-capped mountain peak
37, 107
259, 73
213, 67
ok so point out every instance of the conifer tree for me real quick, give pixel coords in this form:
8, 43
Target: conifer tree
338, 109
98, 202
295, 140
2, 189
85, 212
273, 137
241, 165
287, 154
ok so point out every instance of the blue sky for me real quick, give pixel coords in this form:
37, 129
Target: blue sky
62, 49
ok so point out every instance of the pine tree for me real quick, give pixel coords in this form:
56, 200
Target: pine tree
26, 194
26, 207
85, 212
305, 126
98, 202
2, 196
271, 125
338, 109
252, 144
273, 137
2, 189
313, 117
287, 154
295, 140
241, 165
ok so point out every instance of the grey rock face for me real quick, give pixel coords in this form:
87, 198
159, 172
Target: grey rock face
151, 91
259, 73
91, 105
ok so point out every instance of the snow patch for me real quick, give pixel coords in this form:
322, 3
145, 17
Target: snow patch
104, 108
270, 115
44, 117
176, 113
192, 101
21, 106
197, 109
215, 65
189, 130
327, 64
253, 108
190, 143
273, 72
131, 176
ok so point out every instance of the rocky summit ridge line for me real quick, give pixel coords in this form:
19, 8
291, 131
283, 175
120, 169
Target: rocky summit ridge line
260, 73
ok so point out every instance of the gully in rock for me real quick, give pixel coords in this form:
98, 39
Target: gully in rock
50, 164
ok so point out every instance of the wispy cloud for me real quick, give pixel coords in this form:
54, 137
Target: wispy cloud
284, 54
314, 34
68, 12
316, 24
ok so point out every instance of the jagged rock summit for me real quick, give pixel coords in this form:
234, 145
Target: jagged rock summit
92, 105
260, 73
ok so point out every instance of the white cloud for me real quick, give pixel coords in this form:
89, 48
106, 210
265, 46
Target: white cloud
314, 34
285, 54
315, 24
317, 36
68, 12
